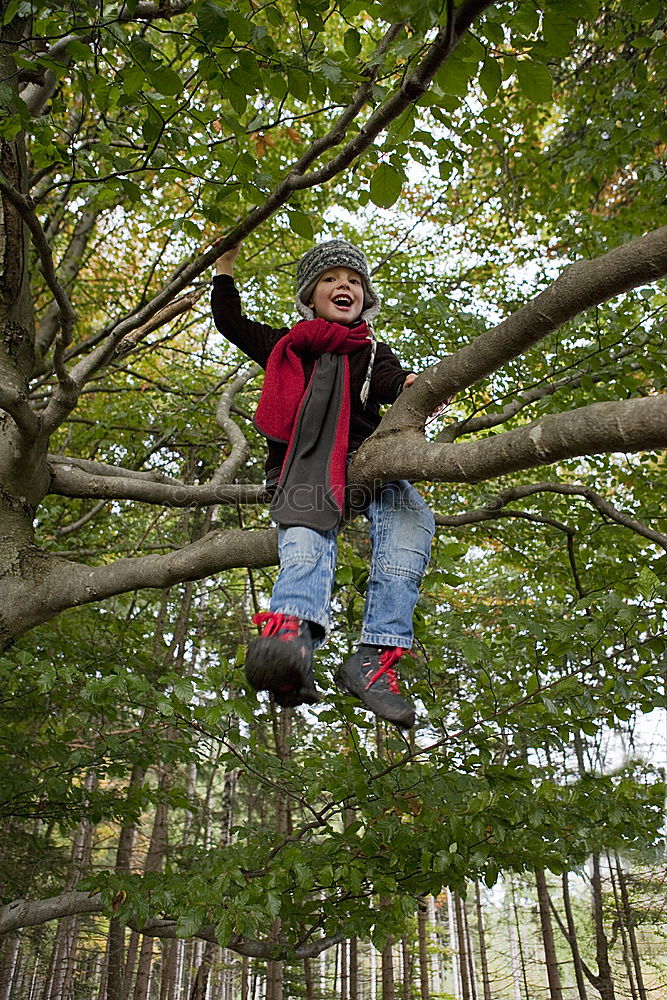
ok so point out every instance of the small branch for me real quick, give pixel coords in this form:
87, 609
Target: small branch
81, 522
595, 499
478, 516
176, 308
240, 447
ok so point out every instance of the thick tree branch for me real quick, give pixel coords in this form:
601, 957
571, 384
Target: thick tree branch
70, 480
24, 207
15, 403
580, 286
31, 913
601, 428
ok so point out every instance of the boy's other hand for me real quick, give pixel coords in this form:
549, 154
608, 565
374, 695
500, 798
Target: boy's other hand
409, 379
225, 262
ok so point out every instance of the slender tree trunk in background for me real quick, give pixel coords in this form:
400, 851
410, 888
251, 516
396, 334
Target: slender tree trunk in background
245, 978
462, 946
308, 979
619, 922
344, 972
154, 860
629, 921
572, 939
130, 960
605, 983
408, 964
354, 969
470, 952
116, 943
168, 970
8, 966
516, 949
481, 934
282, 733
67, 935
200, 984
424, 992
550, 957
435, 977
388, 992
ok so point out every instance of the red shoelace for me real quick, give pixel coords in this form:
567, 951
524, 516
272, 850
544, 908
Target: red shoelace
281, 626
387, 660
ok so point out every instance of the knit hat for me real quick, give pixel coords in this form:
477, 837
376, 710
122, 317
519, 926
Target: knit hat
324, 257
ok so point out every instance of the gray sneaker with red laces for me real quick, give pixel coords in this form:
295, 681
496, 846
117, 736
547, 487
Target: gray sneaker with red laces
281, 659
369, 675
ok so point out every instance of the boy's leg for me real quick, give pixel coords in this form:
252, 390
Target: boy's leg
281, 659
402, 528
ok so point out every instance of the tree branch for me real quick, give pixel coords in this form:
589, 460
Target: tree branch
240, 447
15, 403
71, 480
24, 207
31, 913
582, 285
601, 428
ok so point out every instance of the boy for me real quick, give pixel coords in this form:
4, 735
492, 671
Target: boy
325, 380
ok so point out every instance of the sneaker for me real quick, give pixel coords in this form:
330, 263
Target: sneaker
369, 675
281, 659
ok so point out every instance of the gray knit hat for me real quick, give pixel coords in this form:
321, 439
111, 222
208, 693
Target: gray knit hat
324, 256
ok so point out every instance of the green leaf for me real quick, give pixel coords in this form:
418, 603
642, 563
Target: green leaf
352, 43
490, 78
386, 184
165, 80
212, 21
301, 224
534, 80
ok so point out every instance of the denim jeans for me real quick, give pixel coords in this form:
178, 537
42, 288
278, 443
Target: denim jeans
401, 531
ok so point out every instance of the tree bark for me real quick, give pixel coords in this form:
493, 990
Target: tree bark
550, 957
604, 981
629, 921
481, 933
462, 946
388, 990
116, 989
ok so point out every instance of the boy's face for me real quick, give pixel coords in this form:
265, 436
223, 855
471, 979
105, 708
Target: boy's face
338, 296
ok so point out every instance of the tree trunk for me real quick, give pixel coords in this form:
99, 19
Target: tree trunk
629, 921
408, 963
354, 969
605, 983
423, 951
550, 957
481, 933
154, 860
308, 979
470, 952
200, 984
388, 992
572, 939
8, 966
462, 948
116, 965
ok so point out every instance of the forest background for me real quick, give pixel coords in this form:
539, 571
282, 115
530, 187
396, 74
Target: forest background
165, 832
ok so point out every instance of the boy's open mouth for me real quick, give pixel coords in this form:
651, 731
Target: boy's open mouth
342, 300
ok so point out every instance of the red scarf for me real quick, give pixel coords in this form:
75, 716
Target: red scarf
281, 415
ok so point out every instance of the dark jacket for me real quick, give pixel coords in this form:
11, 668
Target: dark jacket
257, 341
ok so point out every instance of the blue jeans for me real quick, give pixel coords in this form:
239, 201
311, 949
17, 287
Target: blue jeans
401, 531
